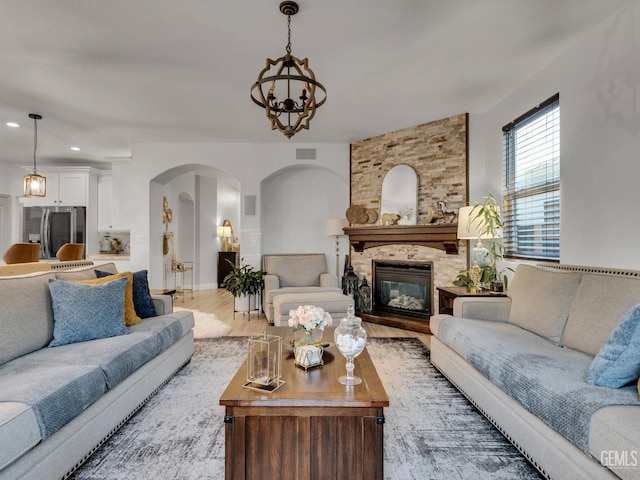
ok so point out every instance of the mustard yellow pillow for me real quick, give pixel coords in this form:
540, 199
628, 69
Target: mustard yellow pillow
130, 317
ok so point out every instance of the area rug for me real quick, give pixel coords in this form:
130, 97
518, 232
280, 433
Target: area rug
207, 324
431, 430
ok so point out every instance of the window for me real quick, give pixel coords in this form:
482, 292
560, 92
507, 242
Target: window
532, 183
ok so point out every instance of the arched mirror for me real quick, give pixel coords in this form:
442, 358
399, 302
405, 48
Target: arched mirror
399, 196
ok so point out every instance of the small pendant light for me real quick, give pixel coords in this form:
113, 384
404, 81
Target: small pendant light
34, 185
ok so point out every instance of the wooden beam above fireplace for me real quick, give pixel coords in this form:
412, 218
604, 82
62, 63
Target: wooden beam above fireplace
441, 236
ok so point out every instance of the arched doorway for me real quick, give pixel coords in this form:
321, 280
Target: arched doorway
200, 197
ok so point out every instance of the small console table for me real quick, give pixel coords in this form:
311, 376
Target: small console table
446, 296
179, 269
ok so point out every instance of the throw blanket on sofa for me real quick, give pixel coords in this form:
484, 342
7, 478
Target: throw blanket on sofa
547, 380
60, 383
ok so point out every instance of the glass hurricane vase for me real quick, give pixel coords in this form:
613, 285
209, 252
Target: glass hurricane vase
350, 338
308, 337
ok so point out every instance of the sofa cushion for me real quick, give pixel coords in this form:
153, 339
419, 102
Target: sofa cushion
87, 312
297, 270
19, 431
599, 303
616, 430
272, 294
26, 316
618, 361
142, 301
541, 299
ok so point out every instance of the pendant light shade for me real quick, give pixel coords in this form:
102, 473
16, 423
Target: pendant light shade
34, 185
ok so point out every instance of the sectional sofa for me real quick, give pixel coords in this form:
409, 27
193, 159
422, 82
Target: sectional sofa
59, 404
554, 366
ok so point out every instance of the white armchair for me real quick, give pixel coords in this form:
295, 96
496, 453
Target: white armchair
294, 273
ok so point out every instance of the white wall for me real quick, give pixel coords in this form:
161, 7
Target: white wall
248, 163
206, 256
296, 203
599, 84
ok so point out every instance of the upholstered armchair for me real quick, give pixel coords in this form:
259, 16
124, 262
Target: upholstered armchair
294, 273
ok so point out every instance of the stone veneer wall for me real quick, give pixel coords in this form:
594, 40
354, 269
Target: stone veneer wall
437, 151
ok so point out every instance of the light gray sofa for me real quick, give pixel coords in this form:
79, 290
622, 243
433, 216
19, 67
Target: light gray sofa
295, 273
82, 392
523, 360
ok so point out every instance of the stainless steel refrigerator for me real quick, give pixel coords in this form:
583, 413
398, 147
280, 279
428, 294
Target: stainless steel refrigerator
52, 227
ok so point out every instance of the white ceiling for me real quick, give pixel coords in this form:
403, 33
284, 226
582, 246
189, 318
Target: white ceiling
106, 74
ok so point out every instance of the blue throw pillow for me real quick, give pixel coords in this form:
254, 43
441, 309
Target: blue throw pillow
142, 301
86, 312
618, 361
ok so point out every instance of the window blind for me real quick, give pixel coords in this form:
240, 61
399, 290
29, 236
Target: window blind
531, 193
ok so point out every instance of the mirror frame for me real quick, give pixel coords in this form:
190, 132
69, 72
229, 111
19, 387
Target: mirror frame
399, 195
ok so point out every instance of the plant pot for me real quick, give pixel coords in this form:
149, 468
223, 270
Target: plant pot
242, 303
496, 286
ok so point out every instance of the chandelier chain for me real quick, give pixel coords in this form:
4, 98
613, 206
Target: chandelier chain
289, 34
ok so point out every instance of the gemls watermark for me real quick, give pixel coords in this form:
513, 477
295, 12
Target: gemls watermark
619, 458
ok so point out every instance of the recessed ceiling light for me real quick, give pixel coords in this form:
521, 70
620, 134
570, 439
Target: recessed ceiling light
75, 149
12, 124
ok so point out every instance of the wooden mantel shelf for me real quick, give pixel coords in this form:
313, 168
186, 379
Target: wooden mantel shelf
440, 236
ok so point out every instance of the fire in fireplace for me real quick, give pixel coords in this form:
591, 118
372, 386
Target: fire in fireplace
402, 288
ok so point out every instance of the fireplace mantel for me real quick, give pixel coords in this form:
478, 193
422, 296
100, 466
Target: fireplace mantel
440, 236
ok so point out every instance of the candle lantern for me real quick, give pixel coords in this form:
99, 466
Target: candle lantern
264, 363
350, 283
364, 296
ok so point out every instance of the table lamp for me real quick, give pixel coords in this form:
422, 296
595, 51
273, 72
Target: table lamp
470, 228
225, 232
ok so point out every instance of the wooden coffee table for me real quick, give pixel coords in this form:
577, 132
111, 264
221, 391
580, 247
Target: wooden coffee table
312, 427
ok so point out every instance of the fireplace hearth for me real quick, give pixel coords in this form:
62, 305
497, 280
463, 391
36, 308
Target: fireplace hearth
402, 294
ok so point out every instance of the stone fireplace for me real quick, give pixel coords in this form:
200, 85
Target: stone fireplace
402, 288
437, 151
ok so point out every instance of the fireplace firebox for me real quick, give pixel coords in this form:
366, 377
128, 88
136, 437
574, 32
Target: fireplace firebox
403, 289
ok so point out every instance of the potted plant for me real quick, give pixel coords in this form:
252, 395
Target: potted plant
244, 283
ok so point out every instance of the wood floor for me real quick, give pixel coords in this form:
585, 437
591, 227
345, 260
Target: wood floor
220, 303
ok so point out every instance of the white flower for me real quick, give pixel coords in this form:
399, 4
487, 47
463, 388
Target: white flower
308, 317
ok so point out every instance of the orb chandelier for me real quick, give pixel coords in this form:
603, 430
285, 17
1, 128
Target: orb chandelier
34, 185
287, 88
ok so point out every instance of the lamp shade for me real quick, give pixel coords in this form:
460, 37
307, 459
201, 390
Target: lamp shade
469, 227
224, 231
335, 226
34, 185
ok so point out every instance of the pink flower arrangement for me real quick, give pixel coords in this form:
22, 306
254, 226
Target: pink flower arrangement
308, 317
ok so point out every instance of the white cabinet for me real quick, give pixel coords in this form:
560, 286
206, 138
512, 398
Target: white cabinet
105, 195
114, 210
64, 188
72, 189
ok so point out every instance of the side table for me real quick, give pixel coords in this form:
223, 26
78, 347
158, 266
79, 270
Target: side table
223, 266
446, 296
180, 269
